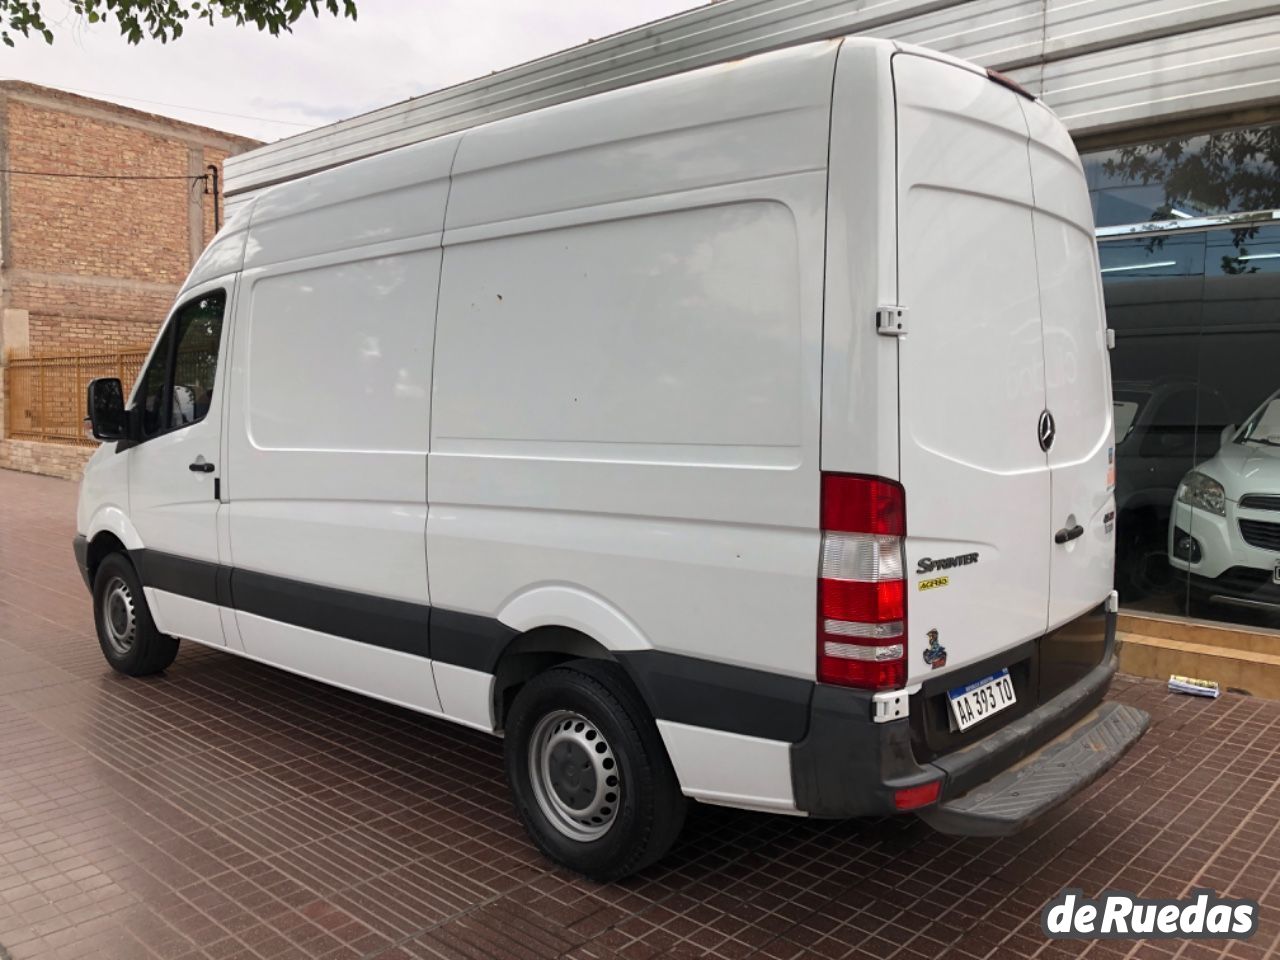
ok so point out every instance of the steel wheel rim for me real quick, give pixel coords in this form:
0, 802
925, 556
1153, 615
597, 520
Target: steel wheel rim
119, 617
575, 776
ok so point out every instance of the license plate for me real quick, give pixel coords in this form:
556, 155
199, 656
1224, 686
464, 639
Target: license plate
976, 701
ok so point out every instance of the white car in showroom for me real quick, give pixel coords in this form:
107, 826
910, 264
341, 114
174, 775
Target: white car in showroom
1225, 528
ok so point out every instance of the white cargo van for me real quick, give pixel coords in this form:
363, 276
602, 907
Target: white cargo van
742, 436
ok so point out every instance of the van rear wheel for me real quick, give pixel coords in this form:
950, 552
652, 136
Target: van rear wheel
591, 780
127, 634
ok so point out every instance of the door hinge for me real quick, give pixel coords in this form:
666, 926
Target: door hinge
891, 321
1111, 338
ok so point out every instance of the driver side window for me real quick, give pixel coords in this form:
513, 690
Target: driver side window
177, 385
151, 393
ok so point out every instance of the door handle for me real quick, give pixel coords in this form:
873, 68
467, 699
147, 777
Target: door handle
201, 466
1067, 534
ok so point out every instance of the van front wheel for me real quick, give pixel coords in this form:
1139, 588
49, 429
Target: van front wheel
591, 780
128, 636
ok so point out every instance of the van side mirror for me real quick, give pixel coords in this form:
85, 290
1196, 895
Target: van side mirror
1228, 432
106, 409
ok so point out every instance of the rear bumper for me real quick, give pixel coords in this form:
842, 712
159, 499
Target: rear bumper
847, 765
1011, 800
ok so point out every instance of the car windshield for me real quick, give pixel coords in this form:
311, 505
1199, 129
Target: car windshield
1264, 425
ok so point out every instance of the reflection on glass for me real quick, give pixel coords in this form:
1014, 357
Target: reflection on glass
151, 392
1264, 426
1243, 251
1225, 531
1186, 177
1197, 411
1235, 578
1126, 411
199, 330
1154, 452
177, 386
1154, 291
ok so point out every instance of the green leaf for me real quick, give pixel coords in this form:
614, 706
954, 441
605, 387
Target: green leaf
163, 20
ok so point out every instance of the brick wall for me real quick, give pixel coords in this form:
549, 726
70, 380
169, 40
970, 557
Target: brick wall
128, 229
90, 265
50, 459
97, 262
85, 316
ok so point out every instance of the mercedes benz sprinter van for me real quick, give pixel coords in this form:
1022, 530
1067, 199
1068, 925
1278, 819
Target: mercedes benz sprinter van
742, 436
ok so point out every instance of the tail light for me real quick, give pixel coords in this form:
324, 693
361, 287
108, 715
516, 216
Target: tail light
862, 600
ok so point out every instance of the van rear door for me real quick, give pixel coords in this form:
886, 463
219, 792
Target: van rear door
1077, 374
971, 369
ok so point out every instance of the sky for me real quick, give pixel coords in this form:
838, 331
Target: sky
242, 81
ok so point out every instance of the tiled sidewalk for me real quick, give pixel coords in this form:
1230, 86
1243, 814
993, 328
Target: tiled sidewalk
225, 809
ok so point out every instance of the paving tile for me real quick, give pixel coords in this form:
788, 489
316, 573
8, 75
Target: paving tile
227, 810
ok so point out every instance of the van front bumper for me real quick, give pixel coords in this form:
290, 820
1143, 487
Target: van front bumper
848, 765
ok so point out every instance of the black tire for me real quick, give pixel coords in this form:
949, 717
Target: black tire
645, 820
126, 633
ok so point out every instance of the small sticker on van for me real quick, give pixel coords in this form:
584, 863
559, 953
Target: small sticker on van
935, 582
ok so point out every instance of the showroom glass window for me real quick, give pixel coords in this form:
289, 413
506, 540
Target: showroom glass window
1190, 254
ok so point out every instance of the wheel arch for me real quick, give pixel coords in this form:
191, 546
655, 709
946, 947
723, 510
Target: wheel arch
556, 623
535, 652
111, 520
109, 532
102, 546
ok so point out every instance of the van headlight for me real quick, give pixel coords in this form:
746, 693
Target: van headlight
1199, 490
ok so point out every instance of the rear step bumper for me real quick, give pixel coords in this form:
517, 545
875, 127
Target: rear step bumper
849, 766
1008, 802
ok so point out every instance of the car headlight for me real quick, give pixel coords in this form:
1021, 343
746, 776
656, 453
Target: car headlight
1200, 490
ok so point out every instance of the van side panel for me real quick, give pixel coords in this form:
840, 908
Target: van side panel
860, 367
718, 767
653, 335
329, 424
627, 373
726, 124
225, 253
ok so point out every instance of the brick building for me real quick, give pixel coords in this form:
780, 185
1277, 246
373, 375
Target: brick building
92, 265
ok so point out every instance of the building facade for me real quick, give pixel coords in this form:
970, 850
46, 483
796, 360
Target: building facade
103, 210
1175, 108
